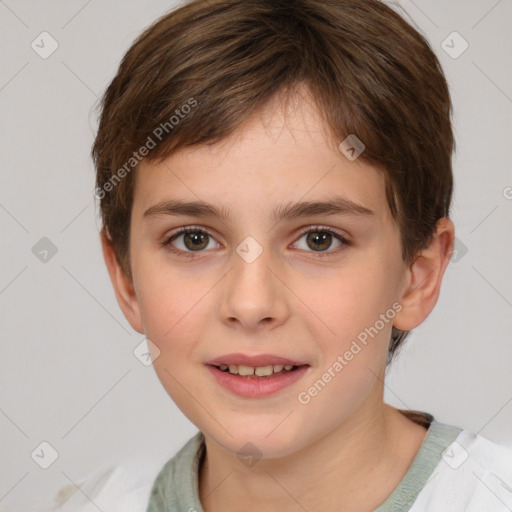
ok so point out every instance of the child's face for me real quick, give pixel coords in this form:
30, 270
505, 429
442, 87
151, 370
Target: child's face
286, 301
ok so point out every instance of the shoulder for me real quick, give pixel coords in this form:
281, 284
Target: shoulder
474, 474
123, 487
130, 486
176, 482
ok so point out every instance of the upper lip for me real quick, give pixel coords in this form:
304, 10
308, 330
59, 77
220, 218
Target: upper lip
254, 361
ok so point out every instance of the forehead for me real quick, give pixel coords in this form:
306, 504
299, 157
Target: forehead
282, 154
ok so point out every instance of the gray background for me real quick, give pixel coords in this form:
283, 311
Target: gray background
68, 375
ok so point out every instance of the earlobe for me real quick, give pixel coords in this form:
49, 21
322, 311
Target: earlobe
122, 284
424, 276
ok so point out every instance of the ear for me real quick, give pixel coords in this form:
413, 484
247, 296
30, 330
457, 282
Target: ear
424, 276
123, 286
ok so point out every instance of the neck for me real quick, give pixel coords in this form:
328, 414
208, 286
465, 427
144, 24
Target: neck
374, 449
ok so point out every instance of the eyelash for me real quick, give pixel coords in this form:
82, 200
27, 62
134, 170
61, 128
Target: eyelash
195, 229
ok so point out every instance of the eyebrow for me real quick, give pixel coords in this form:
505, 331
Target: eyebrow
332, 206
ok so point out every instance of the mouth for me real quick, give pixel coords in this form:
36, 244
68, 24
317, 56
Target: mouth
258, 376
257, 382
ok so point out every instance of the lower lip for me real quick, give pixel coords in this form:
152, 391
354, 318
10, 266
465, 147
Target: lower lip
256, 387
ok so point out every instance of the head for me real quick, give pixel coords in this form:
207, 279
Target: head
244, 106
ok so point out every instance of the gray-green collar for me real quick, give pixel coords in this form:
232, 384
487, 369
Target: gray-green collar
439, 436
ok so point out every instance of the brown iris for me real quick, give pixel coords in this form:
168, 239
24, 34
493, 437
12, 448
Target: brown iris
319, 238
197, 240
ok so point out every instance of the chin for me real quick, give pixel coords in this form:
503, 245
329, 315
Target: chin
259, 438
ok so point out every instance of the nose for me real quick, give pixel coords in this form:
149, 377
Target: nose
253, 297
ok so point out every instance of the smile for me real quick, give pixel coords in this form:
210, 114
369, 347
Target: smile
256, 381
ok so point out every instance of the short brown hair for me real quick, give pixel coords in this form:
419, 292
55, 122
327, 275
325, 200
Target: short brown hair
369, 71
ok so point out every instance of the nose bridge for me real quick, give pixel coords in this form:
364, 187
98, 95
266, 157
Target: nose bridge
250, 273
252, 293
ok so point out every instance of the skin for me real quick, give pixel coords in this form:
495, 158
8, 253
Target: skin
346, 446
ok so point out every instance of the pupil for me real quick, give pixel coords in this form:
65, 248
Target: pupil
197, 239
319, 239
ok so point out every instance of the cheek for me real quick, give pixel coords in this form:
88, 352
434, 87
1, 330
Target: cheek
174, 326
354, 355
166, 295
349, 303
173, 316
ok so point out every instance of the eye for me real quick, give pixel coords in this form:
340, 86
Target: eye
319, 239
189, 240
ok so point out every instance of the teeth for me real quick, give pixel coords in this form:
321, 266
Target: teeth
244, 370
264, 371
258, 371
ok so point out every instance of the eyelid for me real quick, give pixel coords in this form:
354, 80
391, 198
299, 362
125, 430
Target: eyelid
185, 229
320, 227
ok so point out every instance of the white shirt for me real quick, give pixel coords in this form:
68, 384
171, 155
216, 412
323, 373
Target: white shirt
472, 474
